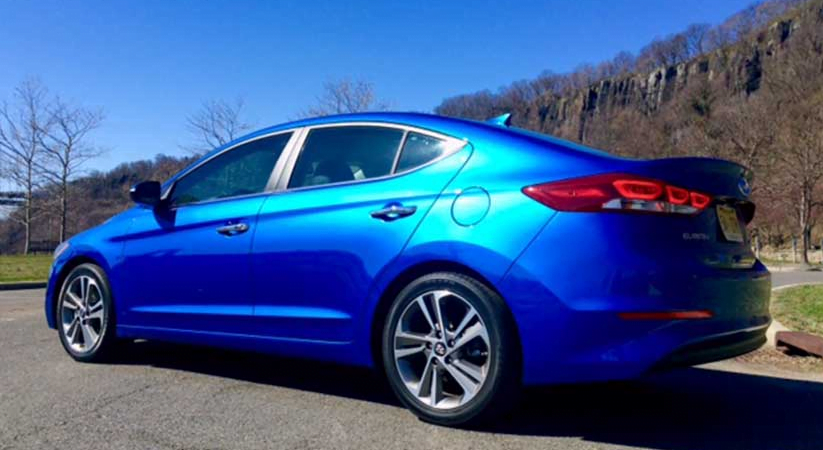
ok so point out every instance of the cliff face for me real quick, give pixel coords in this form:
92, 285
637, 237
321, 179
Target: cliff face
736, 70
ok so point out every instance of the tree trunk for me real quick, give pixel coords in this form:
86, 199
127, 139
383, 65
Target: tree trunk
27, 226
805, 223
27, 220
64, 203
807, 233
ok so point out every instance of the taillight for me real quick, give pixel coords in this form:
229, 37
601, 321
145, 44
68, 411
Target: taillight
618, 192
638, 189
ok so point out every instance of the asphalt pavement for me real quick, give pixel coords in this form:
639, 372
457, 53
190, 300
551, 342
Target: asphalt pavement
163, 396
783, 279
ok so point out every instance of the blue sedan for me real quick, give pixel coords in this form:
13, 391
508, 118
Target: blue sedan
465, 259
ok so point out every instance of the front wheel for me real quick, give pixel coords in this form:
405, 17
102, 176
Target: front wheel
85, 315
450, 350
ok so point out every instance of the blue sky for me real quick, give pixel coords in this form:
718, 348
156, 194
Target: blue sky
151, 63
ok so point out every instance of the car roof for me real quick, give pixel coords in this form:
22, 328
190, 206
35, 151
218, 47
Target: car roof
450, 126
431, 122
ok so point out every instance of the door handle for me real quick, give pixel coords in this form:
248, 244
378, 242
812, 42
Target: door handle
233, 229
393, 212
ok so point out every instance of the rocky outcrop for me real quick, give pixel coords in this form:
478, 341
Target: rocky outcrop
736, 70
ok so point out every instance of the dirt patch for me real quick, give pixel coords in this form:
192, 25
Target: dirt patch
771, 358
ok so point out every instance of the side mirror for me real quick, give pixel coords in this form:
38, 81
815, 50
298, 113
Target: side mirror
145, 193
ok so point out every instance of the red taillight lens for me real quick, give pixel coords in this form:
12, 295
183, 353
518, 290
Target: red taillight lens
618, 192
676, 195
638, 189
699, 200
582, 194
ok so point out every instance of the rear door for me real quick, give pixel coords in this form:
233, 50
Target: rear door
355, 195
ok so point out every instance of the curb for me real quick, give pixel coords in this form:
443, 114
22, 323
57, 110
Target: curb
776, 326
22, 285
793, 268
786, 286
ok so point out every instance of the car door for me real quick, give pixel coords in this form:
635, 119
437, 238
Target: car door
354, 197
186, 261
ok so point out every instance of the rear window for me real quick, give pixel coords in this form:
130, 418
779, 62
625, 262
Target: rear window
420, 149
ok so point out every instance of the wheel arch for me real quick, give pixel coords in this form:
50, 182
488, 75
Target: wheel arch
410, 274
64, 272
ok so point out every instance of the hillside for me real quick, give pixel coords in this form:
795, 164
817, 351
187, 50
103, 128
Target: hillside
734, 70
563, 104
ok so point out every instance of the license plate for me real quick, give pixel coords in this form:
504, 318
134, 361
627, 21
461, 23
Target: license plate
729, 223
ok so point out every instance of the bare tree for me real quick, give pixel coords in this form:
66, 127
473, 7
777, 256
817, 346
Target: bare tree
65, 145
21, 132
626, 132
345, 96
696, 36
748, 130
718, 37
583, 76
216, 123
799, 156
664, 52
796, 91
623, 63
548, 81
479, 106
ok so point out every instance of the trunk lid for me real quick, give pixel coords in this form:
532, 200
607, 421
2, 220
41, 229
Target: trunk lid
717, 177
719, 232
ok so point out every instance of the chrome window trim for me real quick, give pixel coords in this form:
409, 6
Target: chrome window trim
285, 176
399, 152
279, 166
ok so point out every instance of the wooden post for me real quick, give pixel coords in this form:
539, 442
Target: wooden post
757, 246
794, 249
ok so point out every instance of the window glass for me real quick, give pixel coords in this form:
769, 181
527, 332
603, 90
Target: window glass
349, 153
420, 149
240, 171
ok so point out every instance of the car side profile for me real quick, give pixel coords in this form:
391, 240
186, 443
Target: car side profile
465, 259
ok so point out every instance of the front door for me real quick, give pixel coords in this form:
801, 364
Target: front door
187, 260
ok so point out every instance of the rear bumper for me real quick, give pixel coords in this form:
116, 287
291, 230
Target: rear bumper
566, 296
585, 346
715, 348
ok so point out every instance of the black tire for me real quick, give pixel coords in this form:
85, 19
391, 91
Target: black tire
103, 347
499, 392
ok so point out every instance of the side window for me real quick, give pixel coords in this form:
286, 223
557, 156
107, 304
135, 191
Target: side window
420, 149
345, 153
241, 171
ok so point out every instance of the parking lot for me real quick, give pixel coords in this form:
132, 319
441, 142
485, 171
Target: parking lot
163, 396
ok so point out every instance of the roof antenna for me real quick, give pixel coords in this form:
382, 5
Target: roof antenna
504, 120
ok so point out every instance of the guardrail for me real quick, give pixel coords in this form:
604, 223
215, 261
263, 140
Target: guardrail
43, 246
12, 198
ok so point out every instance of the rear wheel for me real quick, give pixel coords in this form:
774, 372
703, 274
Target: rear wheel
85, 316
449, 350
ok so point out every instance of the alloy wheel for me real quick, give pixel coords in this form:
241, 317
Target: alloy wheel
442, 350
83, 314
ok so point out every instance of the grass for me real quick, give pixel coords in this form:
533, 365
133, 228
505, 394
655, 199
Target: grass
24, 268
800, 308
